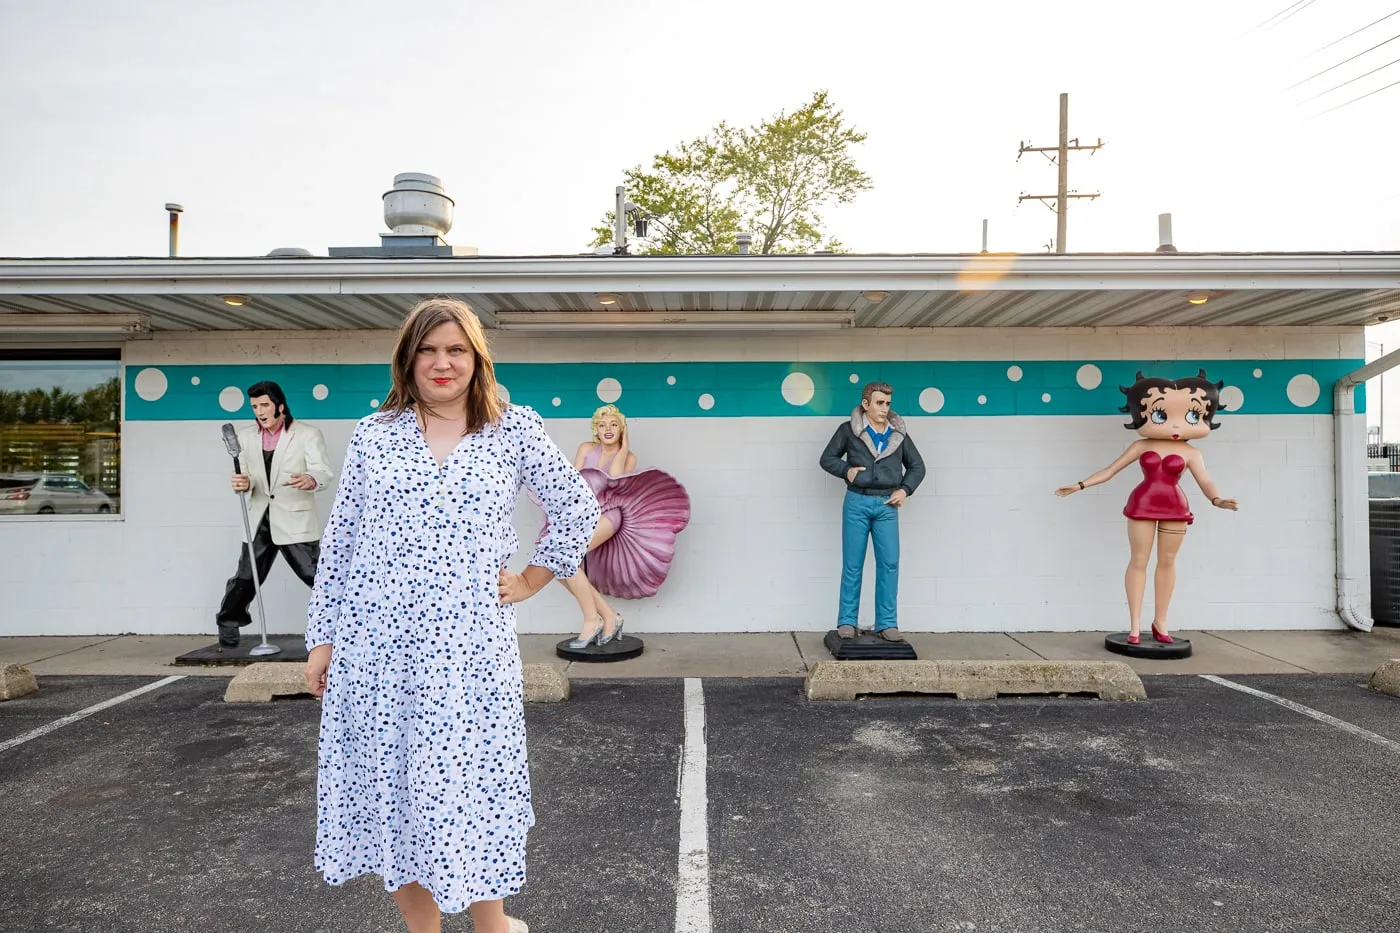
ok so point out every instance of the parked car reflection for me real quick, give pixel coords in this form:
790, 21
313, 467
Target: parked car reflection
49, 494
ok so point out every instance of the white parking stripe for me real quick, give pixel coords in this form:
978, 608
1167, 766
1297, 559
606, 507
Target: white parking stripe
693, 883
84, 713
1342, 724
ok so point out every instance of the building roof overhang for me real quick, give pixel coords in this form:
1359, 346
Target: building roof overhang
677, 293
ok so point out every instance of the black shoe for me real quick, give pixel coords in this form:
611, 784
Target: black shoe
228, 635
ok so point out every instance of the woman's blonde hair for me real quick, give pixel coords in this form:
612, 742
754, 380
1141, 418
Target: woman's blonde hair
483, 401
604, 412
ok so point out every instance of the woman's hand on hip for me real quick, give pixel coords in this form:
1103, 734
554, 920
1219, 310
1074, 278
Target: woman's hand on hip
318, 662
514, 588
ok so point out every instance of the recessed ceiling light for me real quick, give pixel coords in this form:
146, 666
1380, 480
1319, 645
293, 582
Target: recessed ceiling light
875, 295
1198, 298
236, 301
606, 298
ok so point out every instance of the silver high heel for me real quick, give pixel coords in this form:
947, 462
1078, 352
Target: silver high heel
578, 644
617, 632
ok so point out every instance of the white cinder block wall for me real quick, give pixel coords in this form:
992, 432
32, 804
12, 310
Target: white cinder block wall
986, 546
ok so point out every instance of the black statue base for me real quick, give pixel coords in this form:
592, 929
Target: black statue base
619, 649
293, 649
1149, 649
867, 646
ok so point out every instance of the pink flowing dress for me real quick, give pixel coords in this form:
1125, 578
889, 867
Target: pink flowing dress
648, 509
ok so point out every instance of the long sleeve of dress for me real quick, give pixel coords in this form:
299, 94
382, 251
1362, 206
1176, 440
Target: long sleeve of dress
337, 546
571, 511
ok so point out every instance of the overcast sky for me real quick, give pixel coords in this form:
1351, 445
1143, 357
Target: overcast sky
282, 123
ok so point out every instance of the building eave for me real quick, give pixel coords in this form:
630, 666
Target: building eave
975, 290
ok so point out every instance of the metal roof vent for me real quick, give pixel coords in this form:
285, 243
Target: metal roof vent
417, 205
1164, 234
418, 212
289, 252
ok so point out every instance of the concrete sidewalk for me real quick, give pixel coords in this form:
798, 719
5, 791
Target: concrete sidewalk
781, 654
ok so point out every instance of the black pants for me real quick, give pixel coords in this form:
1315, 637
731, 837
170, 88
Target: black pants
239, 593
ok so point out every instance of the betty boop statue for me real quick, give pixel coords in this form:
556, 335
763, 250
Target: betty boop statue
1167, 414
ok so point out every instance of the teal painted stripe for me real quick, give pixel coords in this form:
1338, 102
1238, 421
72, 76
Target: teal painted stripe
747, 389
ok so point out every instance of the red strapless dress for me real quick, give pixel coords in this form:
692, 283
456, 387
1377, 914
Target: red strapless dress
1158, 498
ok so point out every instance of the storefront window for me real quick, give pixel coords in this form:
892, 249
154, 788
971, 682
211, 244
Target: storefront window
60, 432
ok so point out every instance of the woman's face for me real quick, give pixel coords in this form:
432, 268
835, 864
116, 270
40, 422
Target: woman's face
443, 365
1175, 415
610, 430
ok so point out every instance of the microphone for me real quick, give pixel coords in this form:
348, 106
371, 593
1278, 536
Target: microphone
232, 445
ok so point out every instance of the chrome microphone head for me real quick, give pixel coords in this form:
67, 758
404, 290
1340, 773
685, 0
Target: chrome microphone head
231, 440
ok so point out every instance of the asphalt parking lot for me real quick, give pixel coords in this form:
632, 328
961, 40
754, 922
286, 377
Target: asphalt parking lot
1203, 808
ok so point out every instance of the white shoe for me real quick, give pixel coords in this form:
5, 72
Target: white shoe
518, 926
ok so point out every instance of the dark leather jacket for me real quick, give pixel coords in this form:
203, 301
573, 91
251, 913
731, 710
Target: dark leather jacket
898, 466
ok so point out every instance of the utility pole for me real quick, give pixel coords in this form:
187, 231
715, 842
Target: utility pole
1061, 159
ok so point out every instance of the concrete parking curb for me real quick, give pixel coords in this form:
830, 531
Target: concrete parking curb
545, 683
262, 681
1386, 678
973, 680
16, 681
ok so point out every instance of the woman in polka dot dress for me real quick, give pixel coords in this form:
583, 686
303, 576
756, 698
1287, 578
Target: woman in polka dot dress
422, 767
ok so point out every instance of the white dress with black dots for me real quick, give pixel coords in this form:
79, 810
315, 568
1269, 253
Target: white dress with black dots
422, 764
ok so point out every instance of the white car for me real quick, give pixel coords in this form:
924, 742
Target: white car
49, 494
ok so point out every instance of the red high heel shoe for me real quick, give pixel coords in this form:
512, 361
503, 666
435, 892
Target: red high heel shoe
1163, 638
1134, 639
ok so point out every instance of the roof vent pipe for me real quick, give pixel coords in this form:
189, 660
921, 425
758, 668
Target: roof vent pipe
175, 211
1164, 234
745, 241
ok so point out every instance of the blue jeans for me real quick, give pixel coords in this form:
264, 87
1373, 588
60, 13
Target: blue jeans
865, 517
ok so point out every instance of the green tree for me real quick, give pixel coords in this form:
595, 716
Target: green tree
770, 180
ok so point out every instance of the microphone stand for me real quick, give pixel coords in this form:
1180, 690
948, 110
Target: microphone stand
266, 648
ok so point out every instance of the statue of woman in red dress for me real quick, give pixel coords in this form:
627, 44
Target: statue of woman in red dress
1167, 415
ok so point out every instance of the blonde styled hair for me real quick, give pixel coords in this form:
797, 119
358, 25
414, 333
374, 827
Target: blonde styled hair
483, 400
604, 412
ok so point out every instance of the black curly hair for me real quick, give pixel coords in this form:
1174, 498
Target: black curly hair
1137, 396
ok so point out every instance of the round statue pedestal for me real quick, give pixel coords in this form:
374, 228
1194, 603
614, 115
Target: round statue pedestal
619, 649
1149, 649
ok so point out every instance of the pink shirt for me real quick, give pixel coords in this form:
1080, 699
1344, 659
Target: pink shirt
270, 438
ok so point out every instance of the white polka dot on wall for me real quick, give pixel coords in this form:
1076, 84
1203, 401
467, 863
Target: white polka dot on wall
556, 401
1258, 373
319, 392
231, 398
854, 378
670, 380
707, 401
194, 380
981, 400
1303, 390
1045, 397
1089, 376
931, 400
609, 390
374, 403
1232, 398
151, 384
1014, 373
798, 388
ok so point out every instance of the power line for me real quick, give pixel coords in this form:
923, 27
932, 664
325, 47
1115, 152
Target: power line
1278, 14
1350, 80
1296, 12
1348, 35
1362, 97
1342, 62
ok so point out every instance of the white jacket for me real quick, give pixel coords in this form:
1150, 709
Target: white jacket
300, 449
